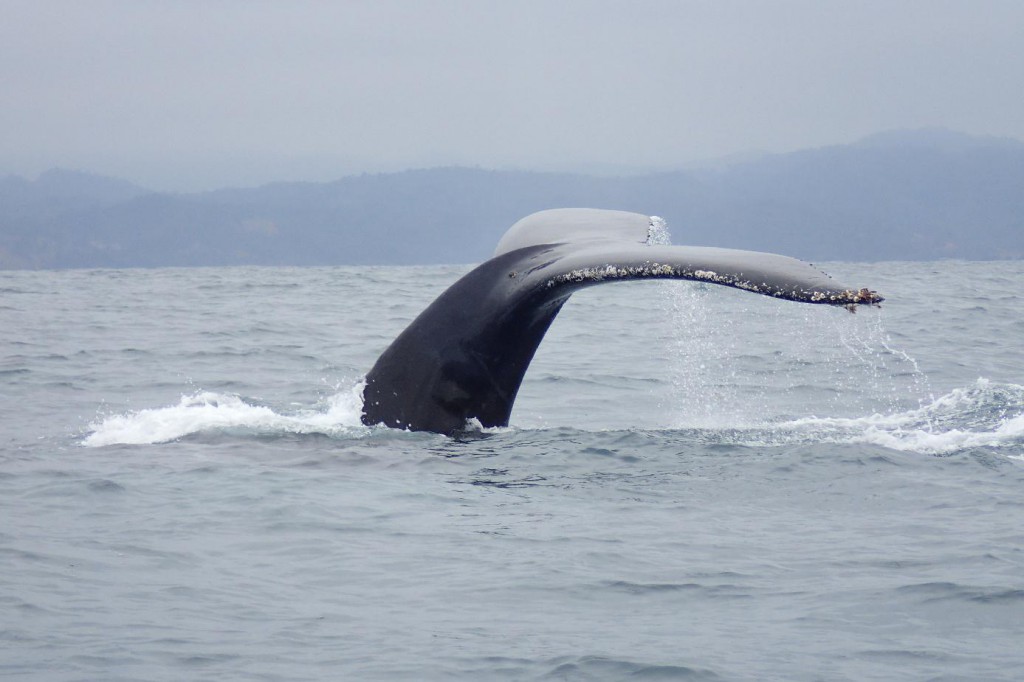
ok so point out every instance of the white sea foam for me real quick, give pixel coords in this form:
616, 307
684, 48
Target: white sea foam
207, 411
982, 415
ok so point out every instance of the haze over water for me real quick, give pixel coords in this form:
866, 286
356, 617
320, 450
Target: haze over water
697, 484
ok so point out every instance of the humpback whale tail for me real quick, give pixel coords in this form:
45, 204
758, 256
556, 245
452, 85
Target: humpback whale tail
465, 356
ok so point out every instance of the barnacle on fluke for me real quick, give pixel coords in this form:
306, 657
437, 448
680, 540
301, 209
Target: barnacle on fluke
464, 357
863, 296
664, 271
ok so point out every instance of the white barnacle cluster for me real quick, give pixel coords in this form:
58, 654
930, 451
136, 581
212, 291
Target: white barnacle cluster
748, 286
848, 296
601, 273
582, 275
662, 270
610, 272
729, 280
712, 276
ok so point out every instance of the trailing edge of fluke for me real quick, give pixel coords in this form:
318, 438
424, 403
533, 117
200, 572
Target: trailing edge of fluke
464, 357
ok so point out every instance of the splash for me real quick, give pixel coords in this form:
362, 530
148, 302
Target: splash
658, 232
747, 361
985, 415
206, 411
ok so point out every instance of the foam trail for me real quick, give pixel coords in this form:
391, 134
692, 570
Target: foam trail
208, 411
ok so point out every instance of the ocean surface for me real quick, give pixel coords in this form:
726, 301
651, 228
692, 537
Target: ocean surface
697, 484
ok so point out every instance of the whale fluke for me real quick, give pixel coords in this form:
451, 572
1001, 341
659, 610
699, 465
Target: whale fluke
465, 356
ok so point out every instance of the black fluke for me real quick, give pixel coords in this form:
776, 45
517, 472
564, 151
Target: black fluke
465, 356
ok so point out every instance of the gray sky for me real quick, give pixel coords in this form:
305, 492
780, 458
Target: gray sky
189, 95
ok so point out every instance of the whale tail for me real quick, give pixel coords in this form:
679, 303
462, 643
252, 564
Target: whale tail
465, 356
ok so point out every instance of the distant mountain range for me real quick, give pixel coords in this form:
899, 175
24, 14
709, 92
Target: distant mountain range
907, 195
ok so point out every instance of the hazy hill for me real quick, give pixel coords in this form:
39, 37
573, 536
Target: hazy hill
900, 195
918, 195
40, 219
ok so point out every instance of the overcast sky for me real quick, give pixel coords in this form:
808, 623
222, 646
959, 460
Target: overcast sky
184, 95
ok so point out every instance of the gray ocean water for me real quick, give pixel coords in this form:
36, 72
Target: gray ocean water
697, 484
